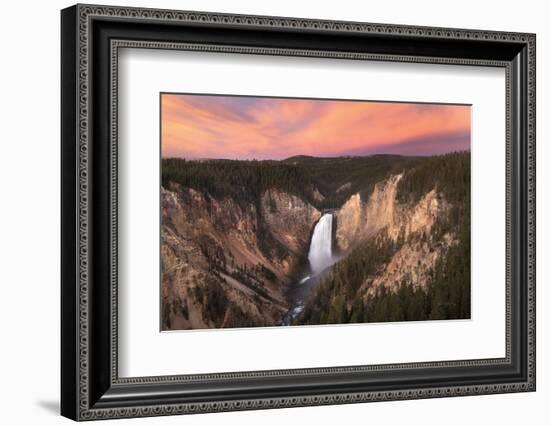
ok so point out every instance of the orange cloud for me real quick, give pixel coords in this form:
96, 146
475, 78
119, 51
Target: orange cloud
238, 127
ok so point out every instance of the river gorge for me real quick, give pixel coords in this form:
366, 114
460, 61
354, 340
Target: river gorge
232, 260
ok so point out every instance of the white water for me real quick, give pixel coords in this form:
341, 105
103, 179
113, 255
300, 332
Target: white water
303, 280
320, 249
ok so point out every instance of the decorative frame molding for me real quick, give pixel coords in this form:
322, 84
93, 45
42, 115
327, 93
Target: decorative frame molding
91, 388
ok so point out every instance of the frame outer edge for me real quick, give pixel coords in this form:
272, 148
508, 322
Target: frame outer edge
69, 287
83, 176
531, 200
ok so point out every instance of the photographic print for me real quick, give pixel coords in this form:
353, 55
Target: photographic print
290, 211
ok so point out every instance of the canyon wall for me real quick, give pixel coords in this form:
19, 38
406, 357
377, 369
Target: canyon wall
289, 219
409, 224
360, 219
226, 264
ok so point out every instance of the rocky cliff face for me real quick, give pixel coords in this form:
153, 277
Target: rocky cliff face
225, 264
351, 223
412, 263
289, 219
359, 220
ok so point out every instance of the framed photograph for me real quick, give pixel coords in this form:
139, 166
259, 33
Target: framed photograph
263, 212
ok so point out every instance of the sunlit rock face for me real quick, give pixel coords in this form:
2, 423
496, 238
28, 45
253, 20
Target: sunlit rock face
359, 219
351, 221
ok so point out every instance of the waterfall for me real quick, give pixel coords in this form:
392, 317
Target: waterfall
320, 249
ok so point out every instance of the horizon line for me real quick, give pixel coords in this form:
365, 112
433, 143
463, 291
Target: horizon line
313, 156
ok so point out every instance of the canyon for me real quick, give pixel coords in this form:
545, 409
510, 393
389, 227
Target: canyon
230, 261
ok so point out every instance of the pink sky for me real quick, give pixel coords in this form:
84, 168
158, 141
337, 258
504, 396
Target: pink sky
241, 127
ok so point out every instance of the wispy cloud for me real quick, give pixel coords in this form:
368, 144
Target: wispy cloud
198, 126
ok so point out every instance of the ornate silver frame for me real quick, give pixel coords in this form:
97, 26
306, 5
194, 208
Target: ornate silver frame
85, 396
